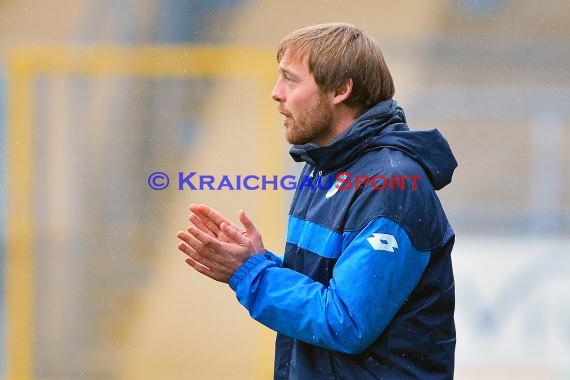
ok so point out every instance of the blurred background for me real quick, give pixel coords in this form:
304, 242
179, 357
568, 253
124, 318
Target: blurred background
97, 95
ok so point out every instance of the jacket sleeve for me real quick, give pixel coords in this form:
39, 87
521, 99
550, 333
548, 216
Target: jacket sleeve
376, 272
271, 256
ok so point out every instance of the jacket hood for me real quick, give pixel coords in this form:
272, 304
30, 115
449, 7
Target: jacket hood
383, 126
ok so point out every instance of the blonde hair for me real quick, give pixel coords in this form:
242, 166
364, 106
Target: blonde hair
339, 52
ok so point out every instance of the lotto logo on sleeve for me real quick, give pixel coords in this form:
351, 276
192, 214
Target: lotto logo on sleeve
383, 242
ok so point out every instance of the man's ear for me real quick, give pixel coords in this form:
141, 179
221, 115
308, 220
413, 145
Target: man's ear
343, 92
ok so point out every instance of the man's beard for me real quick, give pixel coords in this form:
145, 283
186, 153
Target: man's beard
314, 124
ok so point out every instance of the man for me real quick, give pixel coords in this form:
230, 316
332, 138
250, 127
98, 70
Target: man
365, 289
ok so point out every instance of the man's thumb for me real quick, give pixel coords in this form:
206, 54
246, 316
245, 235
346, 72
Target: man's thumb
247, 223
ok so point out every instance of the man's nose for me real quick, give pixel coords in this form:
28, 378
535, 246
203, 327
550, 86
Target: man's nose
277, 93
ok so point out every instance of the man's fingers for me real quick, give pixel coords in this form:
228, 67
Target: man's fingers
211, 225
196, 265
209, 215
234, 233
251, 231
205, 239
196, 246
247, 223
196, 214
208, 212
190, 253
196, 256
185, 248
189, 240
211, 228
201, 268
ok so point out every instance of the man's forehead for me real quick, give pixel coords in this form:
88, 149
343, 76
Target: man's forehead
294, 58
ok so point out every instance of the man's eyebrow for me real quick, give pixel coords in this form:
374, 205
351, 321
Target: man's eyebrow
283, 70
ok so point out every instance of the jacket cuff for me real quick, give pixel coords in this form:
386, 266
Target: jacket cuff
271, 256
245, 269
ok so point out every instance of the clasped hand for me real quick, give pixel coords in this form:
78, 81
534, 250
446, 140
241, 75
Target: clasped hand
215, 246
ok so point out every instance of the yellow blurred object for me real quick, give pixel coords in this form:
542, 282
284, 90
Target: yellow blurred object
150, 61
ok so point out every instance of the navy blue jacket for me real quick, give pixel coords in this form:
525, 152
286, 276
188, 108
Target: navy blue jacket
365, 289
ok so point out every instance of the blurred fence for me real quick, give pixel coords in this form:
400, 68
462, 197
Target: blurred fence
82, 218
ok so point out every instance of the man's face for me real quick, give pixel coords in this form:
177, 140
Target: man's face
307, 111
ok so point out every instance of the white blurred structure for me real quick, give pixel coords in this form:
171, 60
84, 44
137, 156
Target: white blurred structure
513, 307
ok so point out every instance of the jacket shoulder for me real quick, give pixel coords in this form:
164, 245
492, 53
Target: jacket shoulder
398, 189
